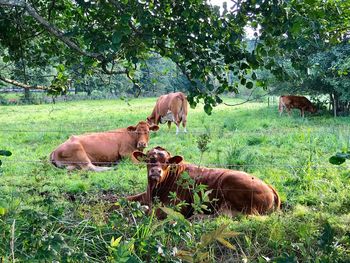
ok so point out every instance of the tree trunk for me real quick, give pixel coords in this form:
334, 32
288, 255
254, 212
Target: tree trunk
26, 93
335, 105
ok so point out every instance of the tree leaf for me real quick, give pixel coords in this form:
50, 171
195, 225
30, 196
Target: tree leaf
249, 85
336, 160
5, 153
208, 109
254, 76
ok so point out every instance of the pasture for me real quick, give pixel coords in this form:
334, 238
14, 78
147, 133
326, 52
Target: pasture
48, 214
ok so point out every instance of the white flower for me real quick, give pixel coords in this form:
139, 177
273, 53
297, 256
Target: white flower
160, 251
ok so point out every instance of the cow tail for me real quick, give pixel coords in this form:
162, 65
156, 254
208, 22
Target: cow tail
184, 107
280, 105
277, 199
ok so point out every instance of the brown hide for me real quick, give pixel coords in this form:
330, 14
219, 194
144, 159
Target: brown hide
97, 149
298, 102
175, 103
231, 191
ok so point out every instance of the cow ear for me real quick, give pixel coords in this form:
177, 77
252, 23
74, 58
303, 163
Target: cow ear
140, 156
175, 159
131, 128
154, 127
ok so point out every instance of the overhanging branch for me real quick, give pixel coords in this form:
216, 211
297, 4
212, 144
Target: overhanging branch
249, 99
22, 85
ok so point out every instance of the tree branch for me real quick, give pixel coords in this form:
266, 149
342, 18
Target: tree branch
22, 85
249, 99
60, 35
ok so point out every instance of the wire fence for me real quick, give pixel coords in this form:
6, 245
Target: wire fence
313, 130
200, 165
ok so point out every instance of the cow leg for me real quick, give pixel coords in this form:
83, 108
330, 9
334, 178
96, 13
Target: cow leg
177, 122
142, 198
289, 111
184, 121
169, 124
71, 167
75, 157
281, 109
94, 168
177, 129
302, 113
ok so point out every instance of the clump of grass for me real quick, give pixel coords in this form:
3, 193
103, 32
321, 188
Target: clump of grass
230, 125
255, 140
241, 159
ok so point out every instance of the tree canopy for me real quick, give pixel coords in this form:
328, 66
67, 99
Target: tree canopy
116, 37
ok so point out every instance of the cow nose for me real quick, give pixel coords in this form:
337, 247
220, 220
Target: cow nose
155, 173
141, 145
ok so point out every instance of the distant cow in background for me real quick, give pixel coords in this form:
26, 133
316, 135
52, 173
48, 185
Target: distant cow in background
91, 151
231, 191
170, 108
298, 102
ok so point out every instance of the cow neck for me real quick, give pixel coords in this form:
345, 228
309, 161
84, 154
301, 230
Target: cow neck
133, 135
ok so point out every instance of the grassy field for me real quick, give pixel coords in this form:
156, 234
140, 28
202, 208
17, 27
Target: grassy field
48, 214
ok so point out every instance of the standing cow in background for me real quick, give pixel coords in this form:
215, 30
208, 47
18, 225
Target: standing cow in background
298, 102
170, 108
90, 151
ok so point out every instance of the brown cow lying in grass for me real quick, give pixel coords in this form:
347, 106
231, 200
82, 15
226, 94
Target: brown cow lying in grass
231, 191
298, 102
91, 151
170, 108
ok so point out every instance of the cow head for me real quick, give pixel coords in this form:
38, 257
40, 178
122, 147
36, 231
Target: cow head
158, 161
141, 132
312, 109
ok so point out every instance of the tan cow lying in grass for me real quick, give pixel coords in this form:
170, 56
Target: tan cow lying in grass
231, 191
298, 102
170, 108
91, 151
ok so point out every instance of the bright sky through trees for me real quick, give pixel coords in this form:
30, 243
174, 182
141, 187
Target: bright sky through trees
249, 31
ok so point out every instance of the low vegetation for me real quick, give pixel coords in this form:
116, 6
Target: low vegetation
48, 214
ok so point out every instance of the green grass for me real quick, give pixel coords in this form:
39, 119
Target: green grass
289, 153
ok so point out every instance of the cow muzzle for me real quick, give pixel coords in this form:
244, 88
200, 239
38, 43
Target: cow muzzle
141, 145
155, 174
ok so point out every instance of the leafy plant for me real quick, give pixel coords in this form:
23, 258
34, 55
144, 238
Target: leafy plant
200, 252
202, 144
